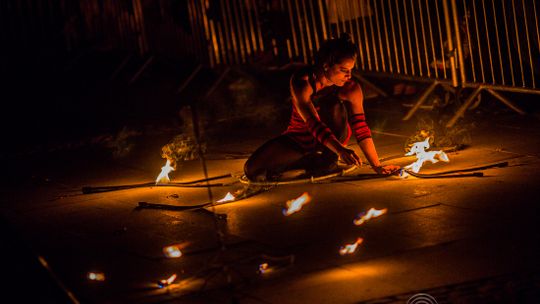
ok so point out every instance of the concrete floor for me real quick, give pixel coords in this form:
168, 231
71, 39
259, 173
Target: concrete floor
440, 236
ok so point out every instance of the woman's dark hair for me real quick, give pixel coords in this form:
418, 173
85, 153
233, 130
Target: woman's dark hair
334, 50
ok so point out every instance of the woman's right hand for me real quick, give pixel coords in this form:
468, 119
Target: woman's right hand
349, 156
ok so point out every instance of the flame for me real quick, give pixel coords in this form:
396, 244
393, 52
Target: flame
167, 282
366, 216
419, 148
263, 268
350, 248
172, 251
163, 177
96, 276
295, 205
227, 198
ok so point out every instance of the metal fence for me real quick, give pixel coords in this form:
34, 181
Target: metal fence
482, 44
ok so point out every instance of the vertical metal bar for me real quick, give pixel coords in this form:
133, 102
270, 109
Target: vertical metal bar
401, 39
386, 38
368, 55
349, 21
259, 33
440, 38
458, 40
518, 45
498, 42
359, 38
432, 41
308, 31
424, 37
241, 7
251, 28
222, 42
416, 39
195, 26
336, 13
383, 63
479, 45
215, 45
314, 24
508, 43
488, 42
528, 42
398, 66
293, 31
450, 43
408, 36
228, 39
323, 20
471, 54
375, 57
536, 22
235, 43
239, 33
301, 30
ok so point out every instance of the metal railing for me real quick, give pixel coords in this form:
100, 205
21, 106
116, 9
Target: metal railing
485, 45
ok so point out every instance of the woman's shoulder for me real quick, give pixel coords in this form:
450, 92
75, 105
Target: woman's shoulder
351, 88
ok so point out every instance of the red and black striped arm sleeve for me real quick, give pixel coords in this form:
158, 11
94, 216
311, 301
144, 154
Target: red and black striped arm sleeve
359, 126
320, 131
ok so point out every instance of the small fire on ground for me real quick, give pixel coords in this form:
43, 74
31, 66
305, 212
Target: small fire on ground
227, 198
167, 282
366, 216
350, 248
163, 177
422, 156
296, 204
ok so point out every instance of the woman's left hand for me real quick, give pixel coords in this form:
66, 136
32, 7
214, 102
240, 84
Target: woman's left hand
387, 170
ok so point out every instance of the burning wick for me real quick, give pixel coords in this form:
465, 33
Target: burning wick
263, 268
96, 276
167, 282
227, 198
163, 177
366, 216
422, 156
350, 248
295, 205
172, 251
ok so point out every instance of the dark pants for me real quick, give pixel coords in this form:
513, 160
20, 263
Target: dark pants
283, 153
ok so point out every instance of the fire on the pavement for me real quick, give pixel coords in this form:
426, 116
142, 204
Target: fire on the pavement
227, 198
167, 282
172, 251
163, 177
366, 216
96, 276
350, 248
264, 268
296, 204
419, 149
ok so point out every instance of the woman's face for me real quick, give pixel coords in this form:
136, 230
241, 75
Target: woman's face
340, 72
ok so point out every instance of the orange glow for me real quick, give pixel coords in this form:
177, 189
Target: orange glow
163, 177
227, 198
350, 248
366, 216
96, 276
263, 268
172, 251
295, 205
